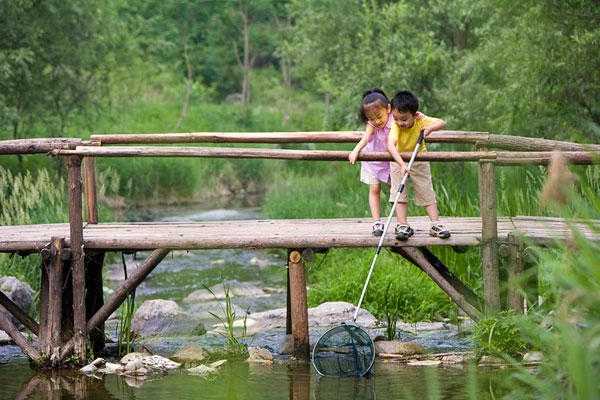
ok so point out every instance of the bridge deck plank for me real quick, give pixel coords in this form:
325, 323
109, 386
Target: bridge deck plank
290, 233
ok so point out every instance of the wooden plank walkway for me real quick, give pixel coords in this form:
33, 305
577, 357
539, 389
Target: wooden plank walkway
284, 233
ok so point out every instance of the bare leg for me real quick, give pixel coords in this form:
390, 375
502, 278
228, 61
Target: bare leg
402, 212
374, 191
432, 212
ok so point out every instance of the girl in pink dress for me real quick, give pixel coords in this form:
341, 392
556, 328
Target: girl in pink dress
375, 112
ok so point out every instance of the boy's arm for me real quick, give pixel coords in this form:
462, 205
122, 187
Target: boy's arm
435, 125
362, 143
393, 150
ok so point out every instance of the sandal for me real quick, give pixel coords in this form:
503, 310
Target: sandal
378, 227
403, 232
439, 230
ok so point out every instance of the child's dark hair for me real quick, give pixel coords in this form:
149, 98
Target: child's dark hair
370, 97
405, 101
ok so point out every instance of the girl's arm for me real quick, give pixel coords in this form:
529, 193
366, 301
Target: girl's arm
362, 143
436, 125
393, 149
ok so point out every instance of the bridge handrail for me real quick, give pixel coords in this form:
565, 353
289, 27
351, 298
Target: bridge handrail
499, 157
479, 139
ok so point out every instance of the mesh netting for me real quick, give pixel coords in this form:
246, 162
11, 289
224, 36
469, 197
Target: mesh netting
345, 350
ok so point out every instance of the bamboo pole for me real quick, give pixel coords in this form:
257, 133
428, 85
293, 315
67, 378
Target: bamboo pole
489, 235
89, 173
77, 257
120, 294
19, 314
11, 330
36, 146
299, 307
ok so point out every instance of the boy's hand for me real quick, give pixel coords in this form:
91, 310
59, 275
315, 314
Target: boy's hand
353, 156
426, 132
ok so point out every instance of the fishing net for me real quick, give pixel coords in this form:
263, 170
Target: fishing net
345, 350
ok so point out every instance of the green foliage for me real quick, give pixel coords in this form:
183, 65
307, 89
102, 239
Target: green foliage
234, 347
125, 336
29, 199
53, 61
499, 335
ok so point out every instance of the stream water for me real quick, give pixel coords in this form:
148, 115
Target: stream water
184, 272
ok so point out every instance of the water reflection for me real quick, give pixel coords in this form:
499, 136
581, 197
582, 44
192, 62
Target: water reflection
241, 380
63, 385
344, 388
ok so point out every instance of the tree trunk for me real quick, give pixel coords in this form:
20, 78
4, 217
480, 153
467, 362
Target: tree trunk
247, 63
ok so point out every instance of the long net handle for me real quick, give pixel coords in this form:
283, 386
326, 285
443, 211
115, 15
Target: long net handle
389, 219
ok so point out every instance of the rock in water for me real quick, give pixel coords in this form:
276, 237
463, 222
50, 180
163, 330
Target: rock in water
260, 355
19, 292
162, 317
190, 354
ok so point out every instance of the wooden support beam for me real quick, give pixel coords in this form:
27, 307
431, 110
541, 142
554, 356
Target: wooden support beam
77, 257
55, 295
11, 330
489, 235
19, 314
299, 306
464, 297
89, 173
120, 294
515, 274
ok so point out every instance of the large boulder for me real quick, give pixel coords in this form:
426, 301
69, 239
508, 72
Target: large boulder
325, 315
162, 318
19, 292
217, 292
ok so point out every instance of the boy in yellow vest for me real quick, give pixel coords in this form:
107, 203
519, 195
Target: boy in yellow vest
408, 123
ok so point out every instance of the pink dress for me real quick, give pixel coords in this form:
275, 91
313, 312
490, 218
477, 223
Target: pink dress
378, 143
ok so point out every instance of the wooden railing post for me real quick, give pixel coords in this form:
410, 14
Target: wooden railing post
89, 173
515, 274
77, 257
298, 306
489, 235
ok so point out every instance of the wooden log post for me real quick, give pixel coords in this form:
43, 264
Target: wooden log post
298, 305
119, 295
89, 173
77, 258
55, 295
515, 274
489, 235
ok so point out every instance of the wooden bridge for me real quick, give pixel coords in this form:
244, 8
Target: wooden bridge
72, 307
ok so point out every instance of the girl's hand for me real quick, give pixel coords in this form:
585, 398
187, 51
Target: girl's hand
404, 170
353, 156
